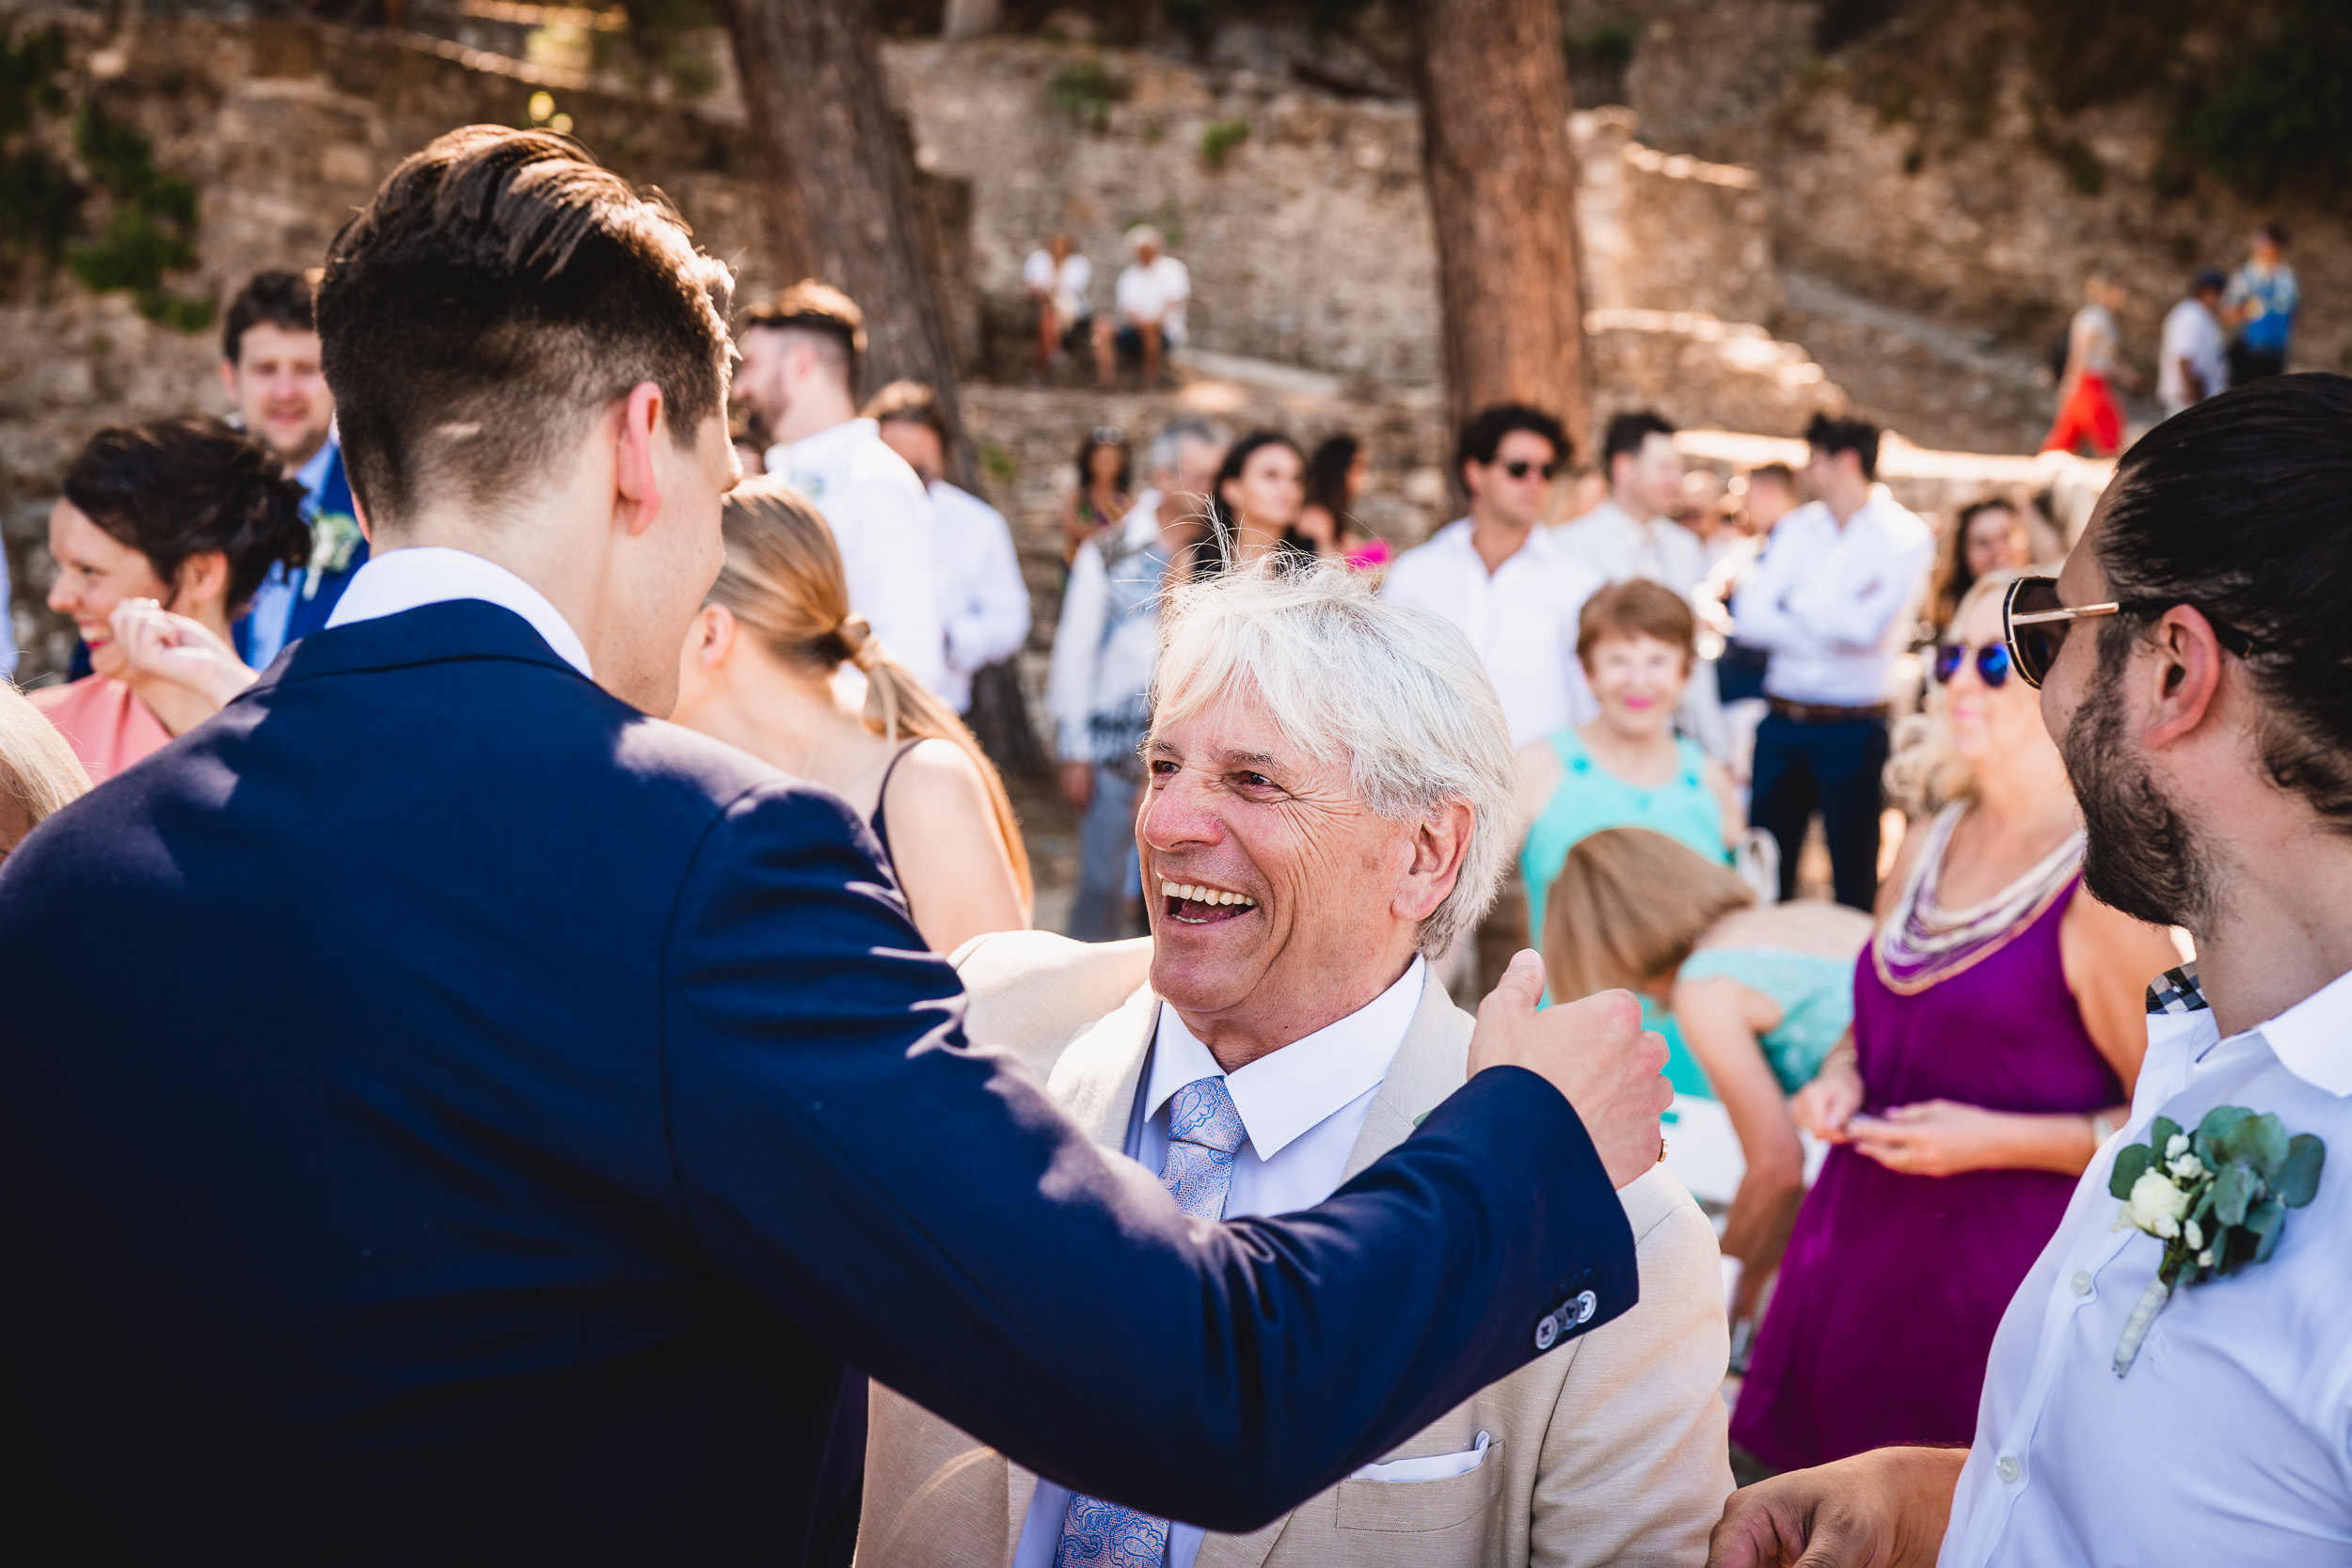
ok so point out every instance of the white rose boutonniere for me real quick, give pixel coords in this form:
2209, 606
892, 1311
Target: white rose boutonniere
334, 539
2217, 1199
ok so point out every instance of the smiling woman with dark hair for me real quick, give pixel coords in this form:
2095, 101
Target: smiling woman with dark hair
186, 513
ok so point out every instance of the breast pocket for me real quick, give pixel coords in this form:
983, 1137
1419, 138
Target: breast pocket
1427, 1493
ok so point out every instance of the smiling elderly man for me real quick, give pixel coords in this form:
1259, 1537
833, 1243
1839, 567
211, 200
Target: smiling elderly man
1328, 777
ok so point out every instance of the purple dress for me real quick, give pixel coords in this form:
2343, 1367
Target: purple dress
1893, 1284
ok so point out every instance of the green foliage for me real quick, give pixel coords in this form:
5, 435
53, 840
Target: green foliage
1607, 47
2084, 171
40, 201
997, 463
2283, 114
151, 231
1084, 91
1218, 141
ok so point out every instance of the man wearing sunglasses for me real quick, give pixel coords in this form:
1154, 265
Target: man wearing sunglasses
1831, 603
2191, 662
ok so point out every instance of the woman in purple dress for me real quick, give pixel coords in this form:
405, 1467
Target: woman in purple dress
1998, 1026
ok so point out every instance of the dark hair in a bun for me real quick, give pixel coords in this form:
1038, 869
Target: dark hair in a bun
175, 488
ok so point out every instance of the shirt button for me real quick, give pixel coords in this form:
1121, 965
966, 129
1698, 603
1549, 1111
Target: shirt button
2082, 1283
2007, 1469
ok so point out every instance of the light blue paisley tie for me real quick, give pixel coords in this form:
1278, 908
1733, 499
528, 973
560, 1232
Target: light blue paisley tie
1204, 1132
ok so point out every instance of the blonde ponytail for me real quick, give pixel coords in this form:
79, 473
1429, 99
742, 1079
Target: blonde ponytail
783, 582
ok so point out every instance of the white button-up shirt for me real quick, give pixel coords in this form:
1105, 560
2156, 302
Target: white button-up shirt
1835, 604
1303, 1107
987, 602
2230, 1441
1108, 638
1619, 546
882, 523
1520, 618
411, 579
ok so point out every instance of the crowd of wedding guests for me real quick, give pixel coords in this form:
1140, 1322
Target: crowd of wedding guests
1640, 688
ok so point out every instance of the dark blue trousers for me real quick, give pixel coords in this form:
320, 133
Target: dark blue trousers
1834, 767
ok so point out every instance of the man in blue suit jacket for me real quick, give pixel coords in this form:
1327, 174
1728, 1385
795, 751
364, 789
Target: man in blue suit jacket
451, 1117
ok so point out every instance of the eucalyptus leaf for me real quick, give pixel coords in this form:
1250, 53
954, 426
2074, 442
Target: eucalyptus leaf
2268, 1220
2219, 1124
2260, 1141
2130, 1161
2236, 1188
2204, 1206
2298, 1179
2161, 1134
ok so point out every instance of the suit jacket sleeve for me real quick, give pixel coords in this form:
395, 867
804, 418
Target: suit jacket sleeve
1635, 1464
921, 1209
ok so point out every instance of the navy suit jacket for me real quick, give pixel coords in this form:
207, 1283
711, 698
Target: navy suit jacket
447, 1115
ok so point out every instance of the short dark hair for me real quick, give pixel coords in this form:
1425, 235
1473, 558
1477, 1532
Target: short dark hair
2241, 505
1482, 437
2276, 233
500, 291
273, 299
176, 488
1627, 434
1834, 435
821, 312
1775, 474
910, 403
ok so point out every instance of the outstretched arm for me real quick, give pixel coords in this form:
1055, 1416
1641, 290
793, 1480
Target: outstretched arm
919, 1207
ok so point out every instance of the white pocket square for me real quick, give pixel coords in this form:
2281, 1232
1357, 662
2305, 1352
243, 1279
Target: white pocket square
1435, 1467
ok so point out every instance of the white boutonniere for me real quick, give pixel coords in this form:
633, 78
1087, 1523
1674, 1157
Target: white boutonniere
2217, 1199
334, 537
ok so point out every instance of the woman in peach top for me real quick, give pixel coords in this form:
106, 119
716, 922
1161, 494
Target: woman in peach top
186, 513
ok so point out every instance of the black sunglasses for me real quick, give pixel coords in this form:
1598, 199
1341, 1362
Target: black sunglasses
1519, 468
1992, 663
2034, 624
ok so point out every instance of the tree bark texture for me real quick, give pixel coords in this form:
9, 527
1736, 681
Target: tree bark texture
1501, 177
841, 180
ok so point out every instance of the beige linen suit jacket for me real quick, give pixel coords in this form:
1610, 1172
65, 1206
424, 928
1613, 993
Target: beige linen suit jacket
1611, 1450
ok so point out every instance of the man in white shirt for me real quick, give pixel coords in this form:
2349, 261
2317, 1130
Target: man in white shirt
1098, 693
798, 364
987, 602
1630, 534
1056, 277
2198, 698
1279, 1029
1502, 579
1148, 310
2193, 356
1832, 604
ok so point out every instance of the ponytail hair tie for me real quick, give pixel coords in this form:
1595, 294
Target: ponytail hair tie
857, 639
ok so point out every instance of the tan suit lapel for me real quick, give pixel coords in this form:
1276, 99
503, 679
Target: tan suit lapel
1094, 1082
1432, 1063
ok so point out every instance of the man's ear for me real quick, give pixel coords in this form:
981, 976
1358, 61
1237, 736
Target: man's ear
714, 632
2183, 676
229, 379
1470, 483
1441, 844
636, 470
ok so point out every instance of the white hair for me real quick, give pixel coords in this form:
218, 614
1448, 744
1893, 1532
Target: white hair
1394, 692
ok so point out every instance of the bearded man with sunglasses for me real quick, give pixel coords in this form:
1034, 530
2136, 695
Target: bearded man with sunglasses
2191, 662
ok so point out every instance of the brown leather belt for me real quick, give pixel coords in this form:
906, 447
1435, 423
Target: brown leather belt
1825, 713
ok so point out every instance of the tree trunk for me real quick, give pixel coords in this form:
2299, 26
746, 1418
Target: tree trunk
1502, 173
840, 179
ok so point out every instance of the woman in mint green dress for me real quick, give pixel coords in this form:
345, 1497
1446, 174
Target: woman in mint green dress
1762, 994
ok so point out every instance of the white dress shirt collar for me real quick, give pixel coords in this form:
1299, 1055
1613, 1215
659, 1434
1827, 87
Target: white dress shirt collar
408, 578
812, 451
2313, 1039
1284, 1093
1455, 536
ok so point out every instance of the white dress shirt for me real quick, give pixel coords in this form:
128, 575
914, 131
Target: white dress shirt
1520, 618
987, 602
1108, 638
2190, 333
1158, 292
1835, 604
1619, 546
2231, 1438
882, 522
8, 621
1303, 1107
408, 578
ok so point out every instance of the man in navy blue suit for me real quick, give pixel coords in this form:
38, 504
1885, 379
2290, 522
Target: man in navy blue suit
449, 1115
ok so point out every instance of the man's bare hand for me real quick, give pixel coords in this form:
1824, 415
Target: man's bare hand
1594, 1051
1886, 1509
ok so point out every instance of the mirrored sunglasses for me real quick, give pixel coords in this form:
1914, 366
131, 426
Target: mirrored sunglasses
1992, 663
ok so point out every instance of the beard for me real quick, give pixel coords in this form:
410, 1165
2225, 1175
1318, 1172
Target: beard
2141, 856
